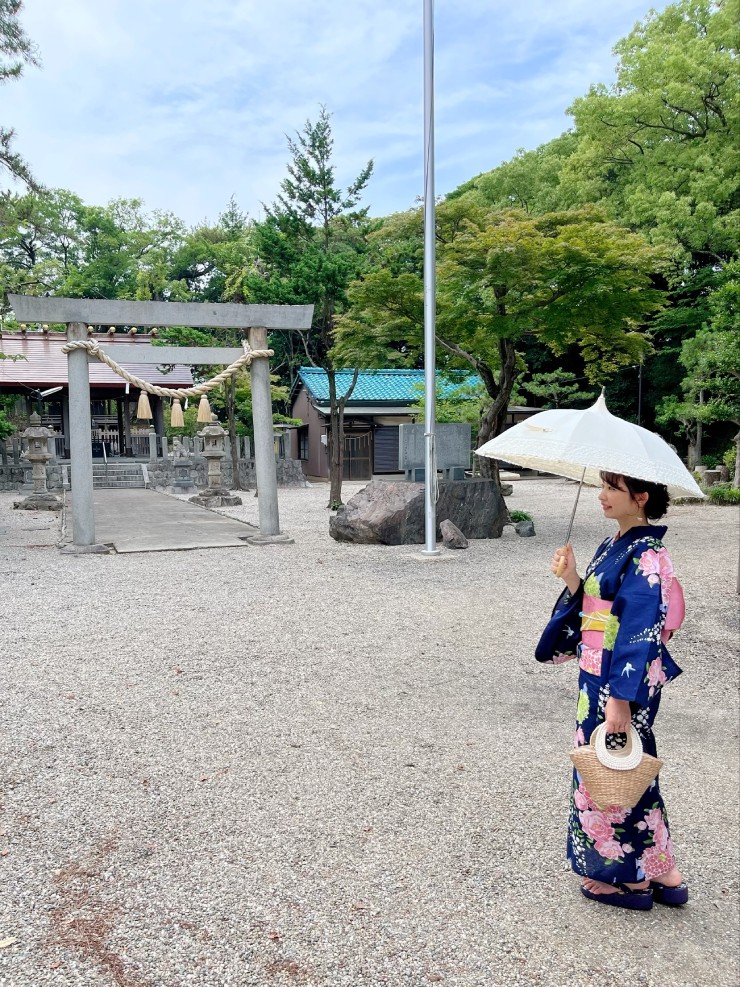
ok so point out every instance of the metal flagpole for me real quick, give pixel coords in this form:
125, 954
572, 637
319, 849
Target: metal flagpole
430, 457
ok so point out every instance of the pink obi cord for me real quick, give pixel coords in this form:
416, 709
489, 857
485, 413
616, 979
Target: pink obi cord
593, 620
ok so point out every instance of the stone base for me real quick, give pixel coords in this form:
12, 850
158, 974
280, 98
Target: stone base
39, 502
96, 549
270, 540
215, 498
179, 490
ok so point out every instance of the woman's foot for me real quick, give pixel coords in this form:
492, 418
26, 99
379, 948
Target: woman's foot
599, 887
671, 878
620, 895
670, 888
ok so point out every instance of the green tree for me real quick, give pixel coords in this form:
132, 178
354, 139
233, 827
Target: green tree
7, 427
125, 253
712, 359
568, 279
657, 151
211, 257
16, 51
41, 240
531, 181
660, 144
308, 249
557, 389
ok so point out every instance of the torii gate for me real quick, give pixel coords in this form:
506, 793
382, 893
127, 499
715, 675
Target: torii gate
78, 313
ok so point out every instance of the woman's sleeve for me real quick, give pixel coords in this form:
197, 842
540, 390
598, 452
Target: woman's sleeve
563, 632
634, 661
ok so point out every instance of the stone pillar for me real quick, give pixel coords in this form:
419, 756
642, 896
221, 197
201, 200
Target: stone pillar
80, 443
264, 448
152, 443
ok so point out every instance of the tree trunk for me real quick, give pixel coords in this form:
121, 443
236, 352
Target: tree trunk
231, 407
693, 457
336, 437
335, 445
499, 390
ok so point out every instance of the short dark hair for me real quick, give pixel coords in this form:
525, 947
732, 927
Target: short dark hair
658, 498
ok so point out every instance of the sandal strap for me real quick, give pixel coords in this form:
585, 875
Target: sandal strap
627, 890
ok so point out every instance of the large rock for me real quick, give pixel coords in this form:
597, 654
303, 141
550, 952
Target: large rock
393, 513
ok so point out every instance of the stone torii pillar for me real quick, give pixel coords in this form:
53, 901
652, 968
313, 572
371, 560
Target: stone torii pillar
264, 446
80, 444
78, 313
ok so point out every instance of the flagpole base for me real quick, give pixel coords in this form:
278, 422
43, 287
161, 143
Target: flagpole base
279, 539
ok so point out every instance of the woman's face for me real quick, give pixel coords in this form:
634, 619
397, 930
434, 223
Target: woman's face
617, 502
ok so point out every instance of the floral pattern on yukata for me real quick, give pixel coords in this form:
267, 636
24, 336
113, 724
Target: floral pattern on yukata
614, 844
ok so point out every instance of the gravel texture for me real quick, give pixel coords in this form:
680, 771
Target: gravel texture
338, 765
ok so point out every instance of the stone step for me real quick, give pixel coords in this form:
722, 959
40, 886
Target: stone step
138, 475
123, 472
110, 484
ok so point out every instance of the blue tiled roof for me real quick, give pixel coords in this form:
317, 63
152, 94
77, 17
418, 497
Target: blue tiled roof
397, 386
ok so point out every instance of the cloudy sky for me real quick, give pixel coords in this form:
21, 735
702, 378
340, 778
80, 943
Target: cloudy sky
183, 102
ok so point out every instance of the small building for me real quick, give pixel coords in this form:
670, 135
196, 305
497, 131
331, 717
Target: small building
380, 402
36, 372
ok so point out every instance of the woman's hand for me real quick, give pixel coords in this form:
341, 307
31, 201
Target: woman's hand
618, 715
563, 565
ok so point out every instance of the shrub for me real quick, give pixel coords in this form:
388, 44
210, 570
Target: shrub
723, 493
729, 459
517, 516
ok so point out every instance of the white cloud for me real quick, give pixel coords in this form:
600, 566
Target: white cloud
183, 103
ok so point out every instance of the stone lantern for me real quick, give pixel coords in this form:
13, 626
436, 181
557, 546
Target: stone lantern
38, 455
214, 450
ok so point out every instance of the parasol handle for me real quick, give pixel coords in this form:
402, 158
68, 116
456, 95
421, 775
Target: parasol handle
561, 565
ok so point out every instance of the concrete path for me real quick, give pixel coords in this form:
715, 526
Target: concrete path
146, 521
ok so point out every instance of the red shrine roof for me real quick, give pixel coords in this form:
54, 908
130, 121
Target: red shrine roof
45, 365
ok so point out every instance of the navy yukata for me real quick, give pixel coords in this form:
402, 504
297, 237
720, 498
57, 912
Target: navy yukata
615, 625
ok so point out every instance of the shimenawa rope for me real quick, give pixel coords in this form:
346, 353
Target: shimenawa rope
168, 392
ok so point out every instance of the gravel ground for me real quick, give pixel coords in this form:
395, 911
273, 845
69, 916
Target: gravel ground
338, 765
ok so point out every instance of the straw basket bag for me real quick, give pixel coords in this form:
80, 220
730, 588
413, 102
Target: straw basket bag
615, 777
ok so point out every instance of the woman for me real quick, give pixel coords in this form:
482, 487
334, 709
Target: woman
616, 623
